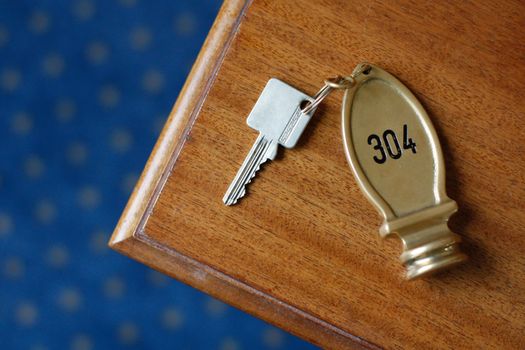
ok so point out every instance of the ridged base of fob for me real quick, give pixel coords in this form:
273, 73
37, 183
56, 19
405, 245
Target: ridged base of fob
429, 245
433, 257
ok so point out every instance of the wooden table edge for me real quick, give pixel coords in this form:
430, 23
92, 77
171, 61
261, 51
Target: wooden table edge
130, 239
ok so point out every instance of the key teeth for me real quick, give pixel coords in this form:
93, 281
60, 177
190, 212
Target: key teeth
262, 151
242, 192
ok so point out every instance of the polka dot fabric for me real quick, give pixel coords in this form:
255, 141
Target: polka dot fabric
85, 87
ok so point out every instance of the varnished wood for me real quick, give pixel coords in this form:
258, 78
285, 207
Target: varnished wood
302, 249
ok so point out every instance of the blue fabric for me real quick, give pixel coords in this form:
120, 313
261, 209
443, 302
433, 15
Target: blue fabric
85, 86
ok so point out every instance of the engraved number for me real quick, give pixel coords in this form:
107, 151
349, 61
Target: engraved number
392, 145
397, 153
379, 147
408, 143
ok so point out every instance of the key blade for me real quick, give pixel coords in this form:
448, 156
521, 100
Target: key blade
262, 150
277, 115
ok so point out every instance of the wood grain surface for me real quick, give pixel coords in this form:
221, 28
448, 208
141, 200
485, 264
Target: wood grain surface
302, 250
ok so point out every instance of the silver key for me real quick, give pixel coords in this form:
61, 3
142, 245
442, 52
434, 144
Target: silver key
278, 118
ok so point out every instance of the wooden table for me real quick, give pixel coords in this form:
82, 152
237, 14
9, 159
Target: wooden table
302, 249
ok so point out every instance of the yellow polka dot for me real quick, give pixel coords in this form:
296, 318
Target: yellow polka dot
81, 342
53, 65
140, 38
65, 109
185, 24
214, 307
273, 338
4, 36
153, 81
77, 153
69, 300
13, 268
128, 183
128, 333
45, 211
33, 167
114, 287
172, 319
89, 197
99, 242
39, 22
57, 256
26, 314
158, 279
21, 124
229, 344
6, 224
97, 52
121, 141
10, 79
83, 9
109, 96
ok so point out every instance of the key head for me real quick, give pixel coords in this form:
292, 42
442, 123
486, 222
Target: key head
277, 113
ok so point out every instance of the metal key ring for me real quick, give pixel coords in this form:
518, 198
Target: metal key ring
340, 82
337, 82
317, 99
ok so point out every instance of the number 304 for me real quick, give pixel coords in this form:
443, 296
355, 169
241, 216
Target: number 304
390, 142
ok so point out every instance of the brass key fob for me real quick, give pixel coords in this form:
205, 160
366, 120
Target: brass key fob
395, 155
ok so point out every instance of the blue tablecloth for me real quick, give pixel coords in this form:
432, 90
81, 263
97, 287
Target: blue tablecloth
85, 87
